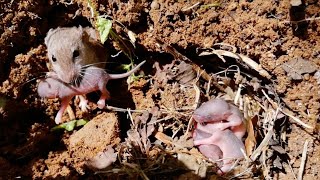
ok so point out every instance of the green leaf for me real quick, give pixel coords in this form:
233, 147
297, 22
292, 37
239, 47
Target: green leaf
206, 6
104, 26
126, 67
81, 122
69, 126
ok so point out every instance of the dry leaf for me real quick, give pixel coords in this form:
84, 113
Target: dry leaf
295, 68
134, 138
250, 142
182, 72
191, 163
279, 149
184, 141
277, 163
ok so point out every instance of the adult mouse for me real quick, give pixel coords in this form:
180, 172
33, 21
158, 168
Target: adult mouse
72, 49
92, 79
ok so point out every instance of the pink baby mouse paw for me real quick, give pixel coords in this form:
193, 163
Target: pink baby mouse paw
83, 104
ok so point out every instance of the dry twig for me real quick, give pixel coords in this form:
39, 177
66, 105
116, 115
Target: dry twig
303, 160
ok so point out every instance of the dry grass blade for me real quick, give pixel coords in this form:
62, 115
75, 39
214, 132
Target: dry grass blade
245, 59
190, 7
286, 112
112, 108
303, 160
70, 113
263, 144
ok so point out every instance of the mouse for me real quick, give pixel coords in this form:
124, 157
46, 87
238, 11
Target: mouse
211, 151
223, 114
218, 144
91, 79
71, 49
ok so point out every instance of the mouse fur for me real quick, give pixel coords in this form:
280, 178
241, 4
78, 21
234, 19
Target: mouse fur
71, 49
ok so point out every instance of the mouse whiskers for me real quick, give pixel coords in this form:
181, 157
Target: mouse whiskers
94, 64
84, 73
33, 79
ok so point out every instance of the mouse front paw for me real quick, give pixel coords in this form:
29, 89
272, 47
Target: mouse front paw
57, 120
101, 103
83, 104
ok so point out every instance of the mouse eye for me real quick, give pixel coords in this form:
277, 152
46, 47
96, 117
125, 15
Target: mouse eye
53, 59
75, 54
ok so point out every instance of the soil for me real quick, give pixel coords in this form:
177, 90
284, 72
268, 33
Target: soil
268, 32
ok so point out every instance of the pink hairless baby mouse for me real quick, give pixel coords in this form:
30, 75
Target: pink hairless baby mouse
218, 132
216, 144
93, 79
223, 114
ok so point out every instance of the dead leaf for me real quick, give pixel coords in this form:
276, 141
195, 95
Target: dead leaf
295, 68
184, 141
277, 163
163, 138
103, 159
134, 138
182, 72
279, 149
191, 163
250, 142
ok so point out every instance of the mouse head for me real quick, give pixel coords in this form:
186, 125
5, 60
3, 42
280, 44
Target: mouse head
69, 51
214, 110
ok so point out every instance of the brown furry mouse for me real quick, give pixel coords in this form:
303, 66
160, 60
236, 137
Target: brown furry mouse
72, 49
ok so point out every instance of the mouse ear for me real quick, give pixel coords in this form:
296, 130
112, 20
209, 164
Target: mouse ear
47, 38
85, 36
90, 34
49, 34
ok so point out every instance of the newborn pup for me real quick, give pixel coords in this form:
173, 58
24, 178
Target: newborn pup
211, 151
230, 146
92, 79
222, 114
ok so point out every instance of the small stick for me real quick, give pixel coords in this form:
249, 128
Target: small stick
238, 94
263, 144
112, 108
287, 112
197, 98
130, 115
191, 7
308, 19
303, 160
70, 113
290, 167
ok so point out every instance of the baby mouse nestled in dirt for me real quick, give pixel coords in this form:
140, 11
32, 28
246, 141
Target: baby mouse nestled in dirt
218, 132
